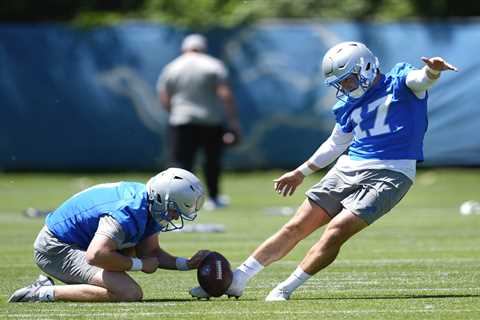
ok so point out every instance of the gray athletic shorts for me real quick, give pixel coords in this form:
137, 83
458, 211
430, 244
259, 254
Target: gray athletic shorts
367, 193
63, 261
67, 262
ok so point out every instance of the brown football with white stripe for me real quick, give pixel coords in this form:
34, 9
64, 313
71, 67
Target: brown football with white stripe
214, 274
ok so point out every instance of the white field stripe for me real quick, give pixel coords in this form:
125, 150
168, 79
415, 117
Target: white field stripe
333, 289
49, 314
402, 290
381, 262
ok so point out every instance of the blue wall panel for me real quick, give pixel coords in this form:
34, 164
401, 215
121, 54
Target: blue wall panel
85, 100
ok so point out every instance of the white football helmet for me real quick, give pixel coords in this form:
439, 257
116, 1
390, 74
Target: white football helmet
174, 189
345, 59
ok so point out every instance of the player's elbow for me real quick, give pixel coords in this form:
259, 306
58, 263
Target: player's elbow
90, 258
93, 257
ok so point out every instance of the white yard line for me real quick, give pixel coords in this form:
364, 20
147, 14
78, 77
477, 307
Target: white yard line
49, 314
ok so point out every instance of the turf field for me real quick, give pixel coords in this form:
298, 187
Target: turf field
421, 261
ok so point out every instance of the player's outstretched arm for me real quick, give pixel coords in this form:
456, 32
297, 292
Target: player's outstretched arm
328, 151
437, 65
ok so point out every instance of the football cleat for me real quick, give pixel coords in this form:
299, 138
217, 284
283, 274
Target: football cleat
237, 286
278, 294
30, 293
199, 293
235, 289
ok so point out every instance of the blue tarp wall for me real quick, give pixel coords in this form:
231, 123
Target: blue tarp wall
85, 100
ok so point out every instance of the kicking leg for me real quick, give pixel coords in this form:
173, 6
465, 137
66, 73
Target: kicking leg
338, 231
308, 218
322, 254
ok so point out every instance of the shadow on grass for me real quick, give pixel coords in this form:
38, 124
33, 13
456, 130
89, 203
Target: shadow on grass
222, 299
168, 300
410, 296
399, 297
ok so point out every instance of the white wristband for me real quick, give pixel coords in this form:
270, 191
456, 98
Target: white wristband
137, 265
433, 71
181, 264
305, 169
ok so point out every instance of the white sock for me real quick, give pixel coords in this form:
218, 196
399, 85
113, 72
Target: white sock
295, 280
46, 293
249, 268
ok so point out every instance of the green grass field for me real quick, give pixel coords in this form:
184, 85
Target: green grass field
421, 261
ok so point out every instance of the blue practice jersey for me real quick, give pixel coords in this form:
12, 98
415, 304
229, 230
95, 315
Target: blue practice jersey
76, 220
388, 122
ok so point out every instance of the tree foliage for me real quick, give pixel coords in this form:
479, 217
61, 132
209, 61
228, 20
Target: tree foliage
204, 14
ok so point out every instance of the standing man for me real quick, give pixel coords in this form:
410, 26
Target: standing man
381, 119
193, 89
96, 236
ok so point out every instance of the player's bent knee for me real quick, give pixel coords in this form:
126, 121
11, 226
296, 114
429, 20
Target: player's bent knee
333, 237
130, 295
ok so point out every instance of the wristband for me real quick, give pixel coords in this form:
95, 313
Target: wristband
181, 264
137, 265
433, 71
305, 169
432, 74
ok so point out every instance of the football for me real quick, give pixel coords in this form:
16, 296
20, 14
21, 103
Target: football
214, 274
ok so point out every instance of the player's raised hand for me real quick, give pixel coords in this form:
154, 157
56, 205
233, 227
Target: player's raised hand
288, 183
438, 63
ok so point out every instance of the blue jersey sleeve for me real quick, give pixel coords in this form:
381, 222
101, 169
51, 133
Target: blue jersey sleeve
129, 225
399, 72
341, 112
